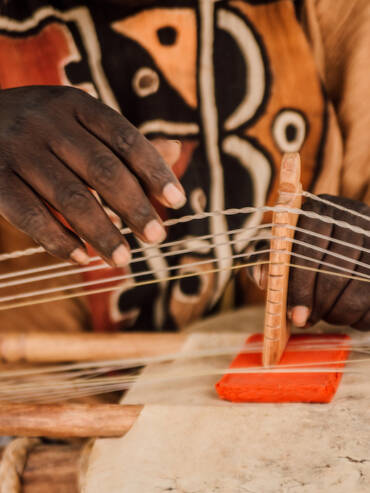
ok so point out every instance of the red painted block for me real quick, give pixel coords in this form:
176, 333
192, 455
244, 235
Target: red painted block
288, 387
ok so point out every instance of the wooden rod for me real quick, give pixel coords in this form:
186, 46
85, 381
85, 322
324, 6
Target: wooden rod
42, 347
67, 420
277, 327
52, 468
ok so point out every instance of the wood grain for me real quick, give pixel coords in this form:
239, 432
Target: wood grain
277, 327
52, 469
48, 347
67, 420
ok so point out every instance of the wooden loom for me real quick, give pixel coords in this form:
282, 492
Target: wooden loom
56, 420
53, 348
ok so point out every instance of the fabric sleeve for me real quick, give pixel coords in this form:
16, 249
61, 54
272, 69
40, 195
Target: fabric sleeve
339, 33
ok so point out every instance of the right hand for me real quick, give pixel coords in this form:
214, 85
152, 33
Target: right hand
55, 143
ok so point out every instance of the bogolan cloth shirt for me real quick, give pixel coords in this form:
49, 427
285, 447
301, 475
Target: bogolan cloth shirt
235, 81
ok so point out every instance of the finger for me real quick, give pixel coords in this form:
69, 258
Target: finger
302, 281
363, 323
354, 301
133, 148
330, 288
67, 194
104, 172
21, 207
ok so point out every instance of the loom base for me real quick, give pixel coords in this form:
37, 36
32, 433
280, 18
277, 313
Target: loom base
287, 387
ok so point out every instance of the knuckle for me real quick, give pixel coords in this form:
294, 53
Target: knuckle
74, 198
32, 220
125, 139
103, 169
18, 128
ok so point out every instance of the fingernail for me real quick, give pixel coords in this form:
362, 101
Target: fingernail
80, 256
300, 315
174, 196
121, 256
154, 232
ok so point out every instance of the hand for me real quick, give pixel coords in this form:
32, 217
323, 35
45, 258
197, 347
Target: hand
335, 299
55, 142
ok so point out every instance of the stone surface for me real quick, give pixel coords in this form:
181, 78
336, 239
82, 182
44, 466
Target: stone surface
189, 441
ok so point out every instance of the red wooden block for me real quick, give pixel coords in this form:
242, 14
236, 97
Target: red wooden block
287, 387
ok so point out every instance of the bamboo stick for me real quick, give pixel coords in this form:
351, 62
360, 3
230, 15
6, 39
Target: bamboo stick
67, 420
51, 468
42, 347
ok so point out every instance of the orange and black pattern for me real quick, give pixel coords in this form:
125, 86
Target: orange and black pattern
233, 80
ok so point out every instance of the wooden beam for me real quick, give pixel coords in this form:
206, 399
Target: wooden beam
67, 420
45, 347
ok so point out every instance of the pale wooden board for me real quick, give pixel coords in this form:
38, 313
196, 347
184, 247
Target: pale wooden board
187, 440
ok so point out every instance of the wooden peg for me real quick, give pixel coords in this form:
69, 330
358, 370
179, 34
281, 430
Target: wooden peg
277, 327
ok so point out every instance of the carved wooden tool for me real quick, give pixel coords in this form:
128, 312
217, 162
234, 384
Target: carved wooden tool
277, 327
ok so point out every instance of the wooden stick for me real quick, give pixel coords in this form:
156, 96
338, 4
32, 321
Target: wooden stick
52, 468
277, 328
60, 347
67, 420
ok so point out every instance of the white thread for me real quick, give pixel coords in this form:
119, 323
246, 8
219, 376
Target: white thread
328, 252
327, 264
21, 253
168, 244
29, 280
226, 212
137, 250
329, 238
324, 344
94, 282
189, 250
361, 277
336, 206
49, 392
106, 266
71, 271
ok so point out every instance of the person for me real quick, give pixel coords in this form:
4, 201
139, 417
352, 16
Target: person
122, 113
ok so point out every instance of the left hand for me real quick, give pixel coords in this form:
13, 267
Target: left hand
334, 298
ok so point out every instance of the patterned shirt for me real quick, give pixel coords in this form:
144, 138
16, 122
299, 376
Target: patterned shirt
234, 81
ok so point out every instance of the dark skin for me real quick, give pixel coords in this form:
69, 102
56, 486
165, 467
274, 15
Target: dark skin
335, 299
57, 142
